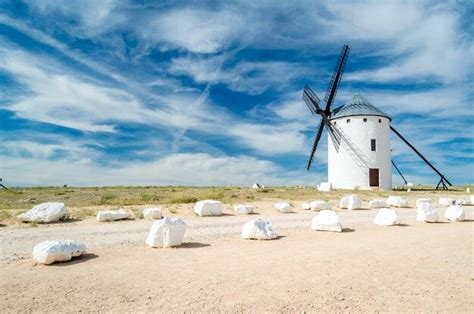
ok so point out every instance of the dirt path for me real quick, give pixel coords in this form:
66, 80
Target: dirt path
411, 267
18, 241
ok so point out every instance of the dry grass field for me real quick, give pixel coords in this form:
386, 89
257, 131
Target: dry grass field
415, 267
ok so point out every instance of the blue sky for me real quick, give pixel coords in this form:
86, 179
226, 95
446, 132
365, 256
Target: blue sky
119, 92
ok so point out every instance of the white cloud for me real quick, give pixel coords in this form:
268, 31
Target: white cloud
179, 169
249, 77
200, 31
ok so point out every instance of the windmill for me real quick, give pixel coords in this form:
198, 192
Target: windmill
359, 153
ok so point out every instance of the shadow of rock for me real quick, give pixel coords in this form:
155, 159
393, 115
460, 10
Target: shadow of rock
402, 225
347, 230
193, 245
76, 260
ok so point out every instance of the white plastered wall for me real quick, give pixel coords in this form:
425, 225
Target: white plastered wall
349, 168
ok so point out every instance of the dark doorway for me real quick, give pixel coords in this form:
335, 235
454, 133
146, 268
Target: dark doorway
374, 177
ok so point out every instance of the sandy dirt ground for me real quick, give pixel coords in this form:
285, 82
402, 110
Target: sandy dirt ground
416, 267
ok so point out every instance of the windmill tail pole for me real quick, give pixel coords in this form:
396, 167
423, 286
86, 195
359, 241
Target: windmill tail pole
421, 156
400, 173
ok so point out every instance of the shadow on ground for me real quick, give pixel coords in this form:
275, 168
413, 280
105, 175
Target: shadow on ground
76, 260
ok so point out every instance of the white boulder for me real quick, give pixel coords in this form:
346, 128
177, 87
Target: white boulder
397, 201
166, 232
386, 217
423, 200
283, 207
326, 220
306, 206
446, 201
454, 213
256, 186
153, 213
462, 202
320, 205
325, 187
243, 209
48, 252
351, 202
258, 229
471, 198
208, 208
377, 203
426, 212
111, 215
45, 212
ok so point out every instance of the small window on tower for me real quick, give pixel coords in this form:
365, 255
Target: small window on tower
380, 120
365, 119
348, 121
373, 145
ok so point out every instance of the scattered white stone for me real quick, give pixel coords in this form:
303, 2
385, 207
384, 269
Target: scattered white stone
454, 213
351, 202
422, 200
326, 220
446, 201
426, 212
462, 202
166, 232
320, 205
397, 201
386, 217
256, 186
377, 203
283, 207
325, 187
208, 208
45, 212
306, 206
258, 229
48, 252
111, 215
243, 209
153, 213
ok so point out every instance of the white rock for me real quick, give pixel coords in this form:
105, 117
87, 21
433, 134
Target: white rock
471, 198
45, 212
397, 201
258, 229
111, 215
306, 206
377, 203
462, 202
422, 200
153, 213
208, 208
256, 186
283, 207
426, 212
446, 201
320, 205
454, 213
166, 232
48, 252
325, 187
351, 202
243, 209
386, 217
326, 220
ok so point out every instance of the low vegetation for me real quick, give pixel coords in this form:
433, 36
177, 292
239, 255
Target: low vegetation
13, 201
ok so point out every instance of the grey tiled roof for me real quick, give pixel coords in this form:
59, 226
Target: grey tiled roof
357, 106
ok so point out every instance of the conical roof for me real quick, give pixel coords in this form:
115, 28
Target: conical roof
357, 106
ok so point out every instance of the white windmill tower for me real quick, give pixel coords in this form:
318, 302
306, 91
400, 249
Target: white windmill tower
359, 153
